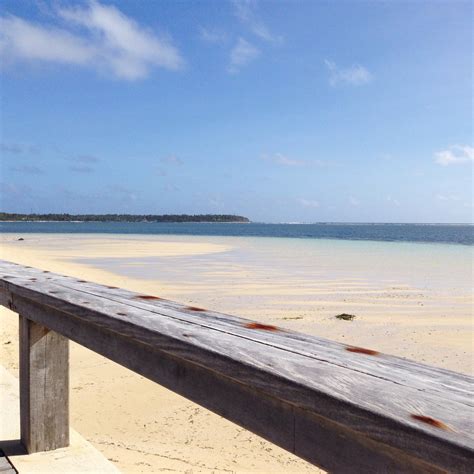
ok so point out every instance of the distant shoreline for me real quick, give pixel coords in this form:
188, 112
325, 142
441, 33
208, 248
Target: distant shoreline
248, 221
126, 218
128, 222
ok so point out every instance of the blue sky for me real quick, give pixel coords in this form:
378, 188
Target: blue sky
280, 111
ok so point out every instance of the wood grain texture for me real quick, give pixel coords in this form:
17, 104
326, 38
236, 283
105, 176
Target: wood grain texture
44, 387
311, 396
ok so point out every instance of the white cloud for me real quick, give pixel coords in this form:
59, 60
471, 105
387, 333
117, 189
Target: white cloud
280, 159
245, 12
355, 75
454, 155
309, 203
212, 35
451, 197
354, 201
95, 35
393, 201
242, 54
26, 41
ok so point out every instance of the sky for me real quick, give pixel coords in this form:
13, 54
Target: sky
288, 111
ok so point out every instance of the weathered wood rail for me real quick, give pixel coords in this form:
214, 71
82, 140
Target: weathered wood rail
343, 408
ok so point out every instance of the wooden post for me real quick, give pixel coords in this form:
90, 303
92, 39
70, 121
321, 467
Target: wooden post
44, 387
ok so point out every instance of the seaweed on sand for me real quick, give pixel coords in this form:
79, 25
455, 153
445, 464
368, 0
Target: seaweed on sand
345, 317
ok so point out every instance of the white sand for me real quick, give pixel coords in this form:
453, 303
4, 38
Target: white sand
80, 457
411, 300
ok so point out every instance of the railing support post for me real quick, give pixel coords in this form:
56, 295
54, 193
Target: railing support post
44, 387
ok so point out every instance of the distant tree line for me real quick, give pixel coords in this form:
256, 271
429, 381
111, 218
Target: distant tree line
4, 216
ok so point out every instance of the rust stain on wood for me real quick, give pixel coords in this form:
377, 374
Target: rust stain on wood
430, 421
111, 287
362, 350
263, 327
195, 308
148, 297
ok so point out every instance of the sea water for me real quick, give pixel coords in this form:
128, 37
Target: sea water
461, 234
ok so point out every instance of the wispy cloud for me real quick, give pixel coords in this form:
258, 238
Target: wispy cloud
245, 11
309, 203
393, 201
83, 163
455, 155
450, 197
95, 35
242, 54
15, 194
280, 159
27, 169
354, 201
163, 165
161, 168
170, 187
122, 192
111, 195
212, 35
284, 160
172, 160
355, 75
80, 168
216, 201
17, 148
86, 159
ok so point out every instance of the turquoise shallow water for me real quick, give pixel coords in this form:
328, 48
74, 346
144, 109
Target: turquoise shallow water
428, 265
462, 234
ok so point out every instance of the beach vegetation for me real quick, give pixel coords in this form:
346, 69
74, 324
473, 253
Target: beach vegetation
4, 216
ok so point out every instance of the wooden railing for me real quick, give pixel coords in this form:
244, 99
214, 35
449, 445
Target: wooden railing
343, 408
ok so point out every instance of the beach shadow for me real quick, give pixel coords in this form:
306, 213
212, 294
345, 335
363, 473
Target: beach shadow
12, 447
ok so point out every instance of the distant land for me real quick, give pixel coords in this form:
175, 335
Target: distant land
4, 216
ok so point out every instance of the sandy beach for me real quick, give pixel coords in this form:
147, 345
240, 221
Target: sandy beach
410, 300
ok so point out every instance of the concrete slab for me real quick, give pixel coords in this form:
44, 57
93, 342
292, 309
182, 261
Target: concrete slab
79, 457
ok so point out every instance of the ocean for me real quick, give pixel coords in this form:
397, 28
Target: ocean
461, 234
